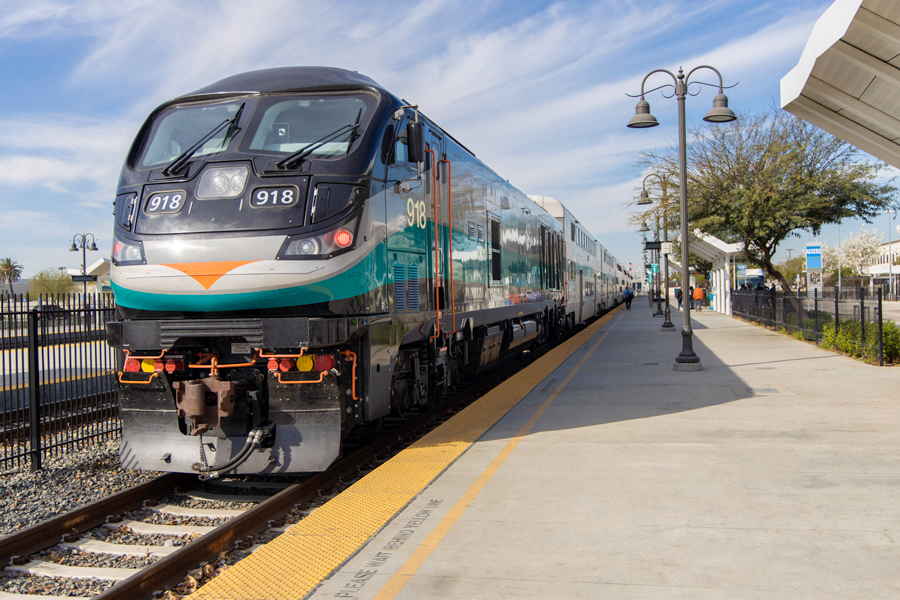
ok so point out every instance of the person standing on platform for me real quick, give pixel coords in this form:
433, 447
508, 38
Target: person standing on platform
678, 296
629, 296
691, 296
699, 296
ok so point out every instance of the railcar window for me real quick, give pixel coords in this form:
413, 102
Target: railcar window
401, 147
183, 126
495, 250
289, 124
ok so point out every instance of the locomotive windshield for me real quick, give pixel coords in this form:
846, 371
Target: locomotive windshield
320, 125
289, 124
184, 126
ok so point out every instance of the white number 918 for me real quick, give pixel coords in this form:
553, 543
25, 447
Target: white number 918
269, 198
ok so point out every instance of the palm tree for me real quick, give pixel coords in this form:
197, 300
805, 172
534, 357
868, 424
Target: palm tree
10, 271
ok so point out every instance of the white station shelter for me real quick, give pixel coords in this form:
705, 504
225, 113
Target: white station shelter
720, 254
848, 79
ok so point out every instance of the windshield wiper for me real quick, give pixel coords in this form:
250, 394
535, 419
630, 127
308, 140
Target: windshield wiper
292, 160
176, 165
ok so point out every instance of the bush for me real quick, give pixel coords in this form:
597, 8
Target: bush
847, 339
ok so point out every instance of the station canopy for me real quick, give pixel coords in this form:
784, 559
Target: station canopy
848, 79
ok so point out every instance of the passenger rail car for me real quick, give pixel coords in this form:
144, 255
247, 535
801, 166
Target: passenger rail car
299, 253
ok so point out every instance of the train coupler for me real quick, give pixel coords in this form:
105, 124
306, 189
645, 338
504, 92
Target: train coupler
191, 401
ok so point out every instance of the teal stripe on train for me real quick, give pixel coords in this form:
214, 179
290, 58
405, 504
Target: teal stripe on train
366, 275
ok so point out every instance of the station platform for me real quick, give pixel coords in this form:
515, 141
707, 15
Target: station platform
603, 473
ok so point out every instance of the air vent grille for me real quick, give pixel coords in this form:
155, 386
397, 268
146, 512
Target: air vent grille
399, 286
249, 329
413, 283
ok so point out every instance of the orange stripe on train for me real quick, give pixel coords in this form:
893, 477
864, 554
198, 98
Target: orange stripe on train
207, 273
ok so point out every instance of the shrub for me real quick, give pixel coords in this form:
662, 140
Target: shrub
848, 339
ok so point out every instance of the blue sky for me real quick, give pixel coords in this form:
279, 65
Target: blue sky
535, 89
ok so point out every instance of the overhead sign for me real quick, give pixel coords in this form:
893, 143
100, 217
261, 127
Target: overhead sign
666, 248
84, 278
813, 256
652, 245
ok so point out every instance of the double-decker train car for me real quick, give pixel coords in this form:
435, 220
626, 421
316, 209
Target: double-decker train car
584, 276
299, 253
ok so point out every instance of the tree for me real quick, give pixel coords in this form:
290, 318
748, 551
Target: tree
701, 267
792, 267
859, 251
52, 282
10, 271
769, 176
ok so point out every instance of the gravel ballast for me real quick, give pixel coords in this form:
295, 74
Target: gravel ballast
66, 482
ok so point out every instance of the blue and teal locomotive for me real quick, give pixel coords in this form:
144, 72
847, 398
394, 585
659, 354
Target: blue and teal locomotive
298, 253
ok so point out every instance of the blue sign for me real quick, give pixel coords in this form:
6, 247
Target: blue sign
741, 269
813, 257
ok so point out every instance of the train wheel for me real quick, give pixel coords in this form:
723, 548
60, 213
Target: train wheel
368, 432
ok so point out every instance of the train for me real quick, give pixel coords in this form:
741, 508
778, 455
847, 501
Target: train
299, 254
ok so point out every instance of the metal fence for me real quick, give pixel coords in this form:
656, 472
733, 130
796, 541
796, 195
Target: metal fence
848, 320
54, 362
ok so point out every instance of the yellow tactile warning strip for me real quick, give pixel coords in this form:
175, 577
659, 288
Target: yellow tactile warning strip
293, 564
411, 566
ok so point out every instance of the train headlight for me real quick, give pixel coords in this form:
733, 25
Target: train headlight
222, 182
306, 247
324, 245
127, 252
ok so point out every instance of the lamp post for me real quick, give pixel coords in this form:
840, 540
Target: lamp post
81, 238
720, 113
644, 229
891, 217
643, 201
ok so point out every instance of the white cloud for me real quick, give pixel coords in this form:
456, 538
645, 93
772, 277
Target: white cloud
539, 95
64, 153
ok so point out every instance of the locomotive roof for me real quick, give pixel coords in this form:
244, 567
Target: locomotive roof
288, 78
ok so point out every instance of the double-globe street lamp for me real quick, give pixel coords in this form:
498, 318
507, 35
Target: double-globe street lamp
720, 113
648, 276
664, 204
80, 242
654, 258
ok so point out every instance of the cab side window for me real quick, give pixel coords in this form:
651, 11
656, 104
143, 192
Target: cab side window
401, 149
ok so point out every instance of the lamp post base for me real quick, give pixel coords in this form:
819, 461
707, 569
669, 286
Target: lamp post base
667, 327
697, 366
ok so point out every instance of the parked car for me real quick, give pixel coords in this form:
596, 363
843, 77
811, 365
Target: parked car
52, 312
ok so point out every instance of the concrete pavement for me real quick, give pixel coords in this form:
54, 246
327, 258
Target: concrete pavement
772, 473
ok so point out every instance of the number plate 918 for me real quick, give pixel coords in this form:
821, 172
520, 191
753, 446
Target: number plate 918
272, 197
164, 202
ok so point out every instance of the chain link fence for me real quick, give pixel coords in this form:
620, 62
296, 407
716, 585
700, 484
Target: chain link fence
54, 362
846, 320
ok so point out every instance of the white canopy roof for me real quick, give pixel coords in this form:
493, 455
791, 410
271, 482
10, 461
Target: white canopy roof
712, 248
848, 79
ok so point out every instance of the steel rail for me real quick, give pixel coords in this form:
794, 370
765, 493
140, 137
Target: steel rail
43, 535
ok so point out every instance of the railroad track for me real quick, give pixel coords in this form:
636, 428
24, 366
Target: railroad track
126, 527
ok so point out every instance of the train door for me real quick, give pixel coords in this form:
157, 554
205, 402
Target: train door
580, 295
435, 192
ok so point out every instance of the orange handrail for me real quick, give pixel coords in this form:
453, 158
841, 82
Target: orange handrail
214, 365
153, 376
264, 355
351, 354
434, 192
319, 380
450, 234
128, 355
